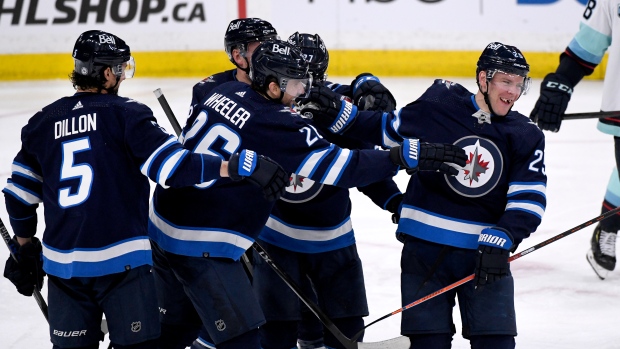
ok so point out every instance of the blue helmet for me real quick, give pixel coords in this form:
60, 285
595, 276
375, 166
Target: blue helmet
280, 60
506, 59
314, 51
242, 31
96, 50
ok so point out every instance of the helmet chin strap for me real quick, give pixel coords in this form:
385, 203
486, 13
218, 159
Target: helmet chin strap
247, 63
113, 90
485, 94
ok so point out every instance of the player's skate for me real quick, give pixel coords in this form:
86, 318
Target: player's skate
602, 254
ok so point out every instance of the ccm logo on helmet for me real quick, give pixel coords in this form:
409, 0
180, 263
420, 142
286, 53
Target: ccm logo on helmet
106, 39
281, 50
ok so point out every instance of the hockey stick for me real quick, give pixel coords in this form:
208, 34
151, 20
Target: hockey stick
593, 115
178, 129
395, 343
512, 258
36, 293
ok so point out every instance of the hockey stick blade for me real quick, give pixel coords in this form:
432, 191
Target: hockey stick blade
512, 258
399, 342
395, 343
593, 115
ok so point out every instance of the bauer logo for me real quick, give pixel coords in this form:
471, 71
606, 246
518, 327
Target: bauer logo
482, 170
281, 50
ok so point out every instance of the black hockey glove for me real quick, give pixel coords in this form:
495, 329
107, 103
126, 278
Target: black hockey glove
416, 156
27, 272
329, 109
393, 206
494, 246
370, 94
555, 92
260, 171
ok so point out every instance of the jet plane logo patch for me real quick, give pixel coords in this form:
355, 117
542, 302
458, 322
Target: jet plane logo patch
302, 189
483, 169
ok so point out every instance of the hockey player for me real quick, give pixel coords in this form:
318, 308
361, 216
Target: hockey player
200, 233
453, 226
310, 235
87, 158
365, 91
585, 51
242, 37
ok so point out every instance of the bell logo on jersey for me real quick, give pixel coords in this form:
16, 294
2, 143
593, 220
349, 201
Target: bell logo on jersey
281, 50
106, 39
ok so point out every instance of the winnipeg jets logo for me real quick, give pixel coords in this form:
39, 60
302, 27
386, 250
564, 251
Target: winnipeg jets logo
482, 170
475, 166
302, 189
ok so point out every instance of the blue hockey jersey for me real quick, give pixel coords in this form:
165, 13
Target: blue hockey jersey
312, 217
86, 158
503, 183
223, 218
204, 86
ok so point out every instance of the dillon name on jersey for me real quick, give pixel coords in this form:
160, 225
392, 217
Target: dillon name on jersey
503, 183
222, 218
72, 152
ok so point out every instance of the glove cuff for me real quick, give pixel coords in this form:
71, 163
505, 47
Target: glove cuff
496, 237
346, 117
242, 165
